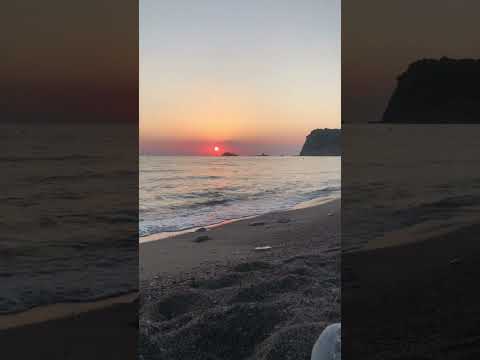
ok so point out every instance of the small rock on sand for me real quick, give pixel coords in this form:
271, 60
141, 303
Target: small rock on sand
202, 238
257, 223
283, 221
202, 229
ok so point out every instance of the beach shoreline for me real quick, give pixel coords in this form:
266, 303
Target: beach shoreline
277, 274
237, 238
302, 266
57, 311
302, 205
414, 284
107, 329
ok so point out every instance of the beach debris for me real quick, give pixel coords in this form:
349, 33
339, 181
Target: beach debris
202, 229
455, 261
283, 220
263, 248
330, 214
202, 238
257, 223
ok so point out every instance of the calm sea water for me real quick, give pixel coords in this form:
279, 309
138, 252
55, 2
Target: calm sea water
178, 193
69, 223
411, 175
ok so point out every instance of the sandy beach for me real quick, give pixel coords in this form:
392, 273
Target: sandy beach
106, 329
211, 295
51, 312
410, 246
427, 288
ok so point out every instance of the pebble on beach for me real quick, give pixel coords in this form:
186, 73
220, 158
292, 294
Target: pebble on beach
202, 238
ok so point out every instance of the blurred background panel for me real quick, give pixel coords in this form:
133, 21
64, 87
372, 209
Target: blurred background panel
69, 198
410, 195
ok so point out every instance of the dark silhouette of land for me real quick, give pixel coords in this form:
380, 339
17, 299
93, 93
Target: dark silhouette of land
322, 142
229, 154
437, 91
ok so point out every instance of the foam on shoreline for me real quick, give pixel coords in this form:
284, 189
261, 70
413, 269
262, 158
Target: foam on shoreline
303, 205
216, 288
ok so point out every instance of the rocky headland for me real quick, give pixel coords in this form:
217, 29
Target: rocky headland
437, 91
322, 142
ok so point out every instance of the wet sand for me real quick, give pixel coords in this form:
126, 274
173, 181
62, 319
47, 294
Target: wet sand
60, 311
220, 296
221, 299
410, 204
416, 300
107, 331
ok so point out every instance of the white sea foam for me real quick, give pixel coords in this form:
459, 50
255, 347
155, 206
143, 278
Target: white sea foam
181, 193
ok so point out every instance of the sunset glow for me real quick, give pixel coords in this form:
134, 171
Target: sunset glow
255, 77
216, 149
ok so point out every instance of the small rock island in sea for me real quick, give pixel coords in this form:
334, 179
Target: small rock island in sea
437, 91
229, 154
322, 142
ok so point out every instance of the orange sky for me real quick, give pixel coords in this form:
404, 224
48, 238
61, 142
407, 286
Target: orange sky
251, 77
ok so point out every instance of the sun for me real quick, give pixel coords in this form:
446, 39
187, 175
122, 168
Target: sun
216, 149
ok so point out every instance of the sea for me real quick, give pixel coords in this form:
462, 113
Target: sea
415, 179
69, 213
179, 193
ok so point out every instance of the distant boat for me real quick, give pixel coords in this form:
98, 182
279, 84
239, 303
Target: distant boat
229, 154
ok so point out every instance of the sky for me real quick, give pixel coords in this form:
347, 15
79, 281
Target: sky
69, 61
247, 76
381, 38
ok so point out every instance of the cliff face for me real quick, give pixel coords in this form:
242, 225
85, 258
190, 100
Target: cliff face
322, 142
437, 91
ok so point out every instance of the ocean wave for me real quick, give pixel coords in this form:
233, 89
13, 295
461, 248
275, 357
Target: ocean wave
80, 177
147, 171
193, 177
327, 189
228, 189
202, 204
204, 177
46, 158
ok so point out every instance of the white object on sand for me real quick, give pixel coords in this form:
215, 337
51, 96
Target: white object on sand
262, 248
328, 344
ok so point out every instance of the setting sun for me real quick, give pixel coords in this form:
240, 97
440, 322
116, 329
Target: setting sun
216, 149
